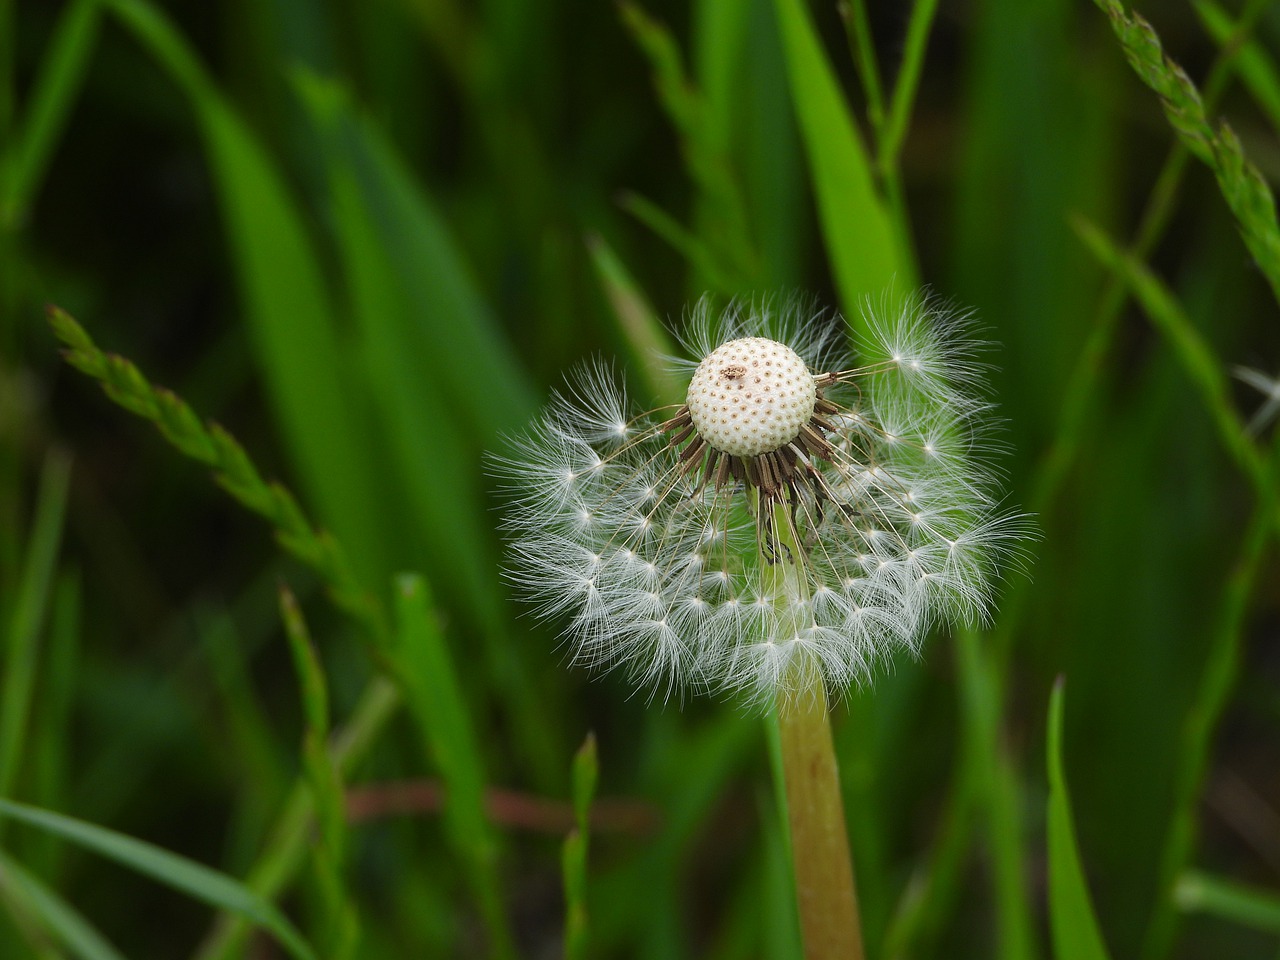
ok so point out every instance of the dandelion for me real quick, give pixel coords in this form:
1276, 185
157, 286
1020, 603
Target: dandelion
797, 516
788, 528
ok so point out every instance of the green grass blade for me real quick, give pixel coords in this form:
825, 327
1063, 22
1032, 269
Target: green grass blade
1071, 917
197, 881
644, 334
1248, 906
867, 258
436, 701
904, 90
443, 379
290, 837
428, 342
573, 857
703, 129
56, 87
1252, 64
62, 921
1205, 370
338, 925
31, 608
999, 793
308, 370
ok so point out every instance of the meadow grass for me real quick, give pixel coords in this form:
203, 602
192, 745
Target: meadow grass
358, 243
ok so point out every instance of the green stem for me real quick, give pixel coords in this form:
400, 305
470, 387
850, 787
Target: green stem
825, 894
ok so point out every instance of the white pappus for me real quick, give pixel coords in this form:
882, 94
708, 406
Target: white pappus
795, 513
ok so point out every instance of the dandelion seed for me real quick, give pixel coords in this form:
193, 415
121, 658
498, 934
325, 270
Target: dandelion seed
795, 515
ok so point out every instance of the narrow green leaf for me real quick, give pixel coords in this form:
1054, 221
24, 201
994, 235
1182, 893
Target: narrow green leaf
186, 876
644, 333
22, 638
56, 87
574, 852
435, 700
1071, 916
290, 837
1248, 906
307, 368
586, 771
1203, 367
904, 90
62, 921
1253, 65
338, 924
867, 259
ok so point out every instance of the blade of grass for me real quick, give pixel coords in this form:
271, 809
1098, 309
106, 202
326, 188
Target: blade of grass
906, 85
1206, 372
282, 284
1071, 916
439, 372
184, 875
1252, 907
287, 844
702, 130
866, 256
1251, 62
644, 335
438, 706
52, 729
1217, 681
53, 93
573, 856
862, 48
338, 934
997, 787
31, 609
688, 244
63, 922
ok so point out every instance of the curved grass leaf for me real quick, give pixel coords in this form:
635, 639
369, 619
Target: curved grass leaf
1071, 917
307, 368
867, 258
55, 915
194, 879
1248, 906
53, 94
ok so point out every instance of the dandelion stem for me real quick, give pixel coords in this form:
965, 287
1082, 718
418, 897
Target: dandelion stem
825, 893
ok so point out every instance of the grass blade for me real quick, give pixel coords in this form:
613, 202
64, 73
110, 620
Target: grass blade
1251, 62
644, 334
290, 838
62, 921
22, 641
62, 70
194, 879
573, 859
1248, 906
436, 701
1071, 916
867, 258
307, 368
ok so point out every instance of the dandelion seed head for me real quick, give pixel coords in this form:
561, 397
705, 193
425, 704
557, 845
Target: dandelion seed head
798, 514
751, 396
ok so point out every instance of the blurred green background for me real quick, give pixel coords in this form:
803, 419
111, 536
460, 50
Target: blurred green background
367, 238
